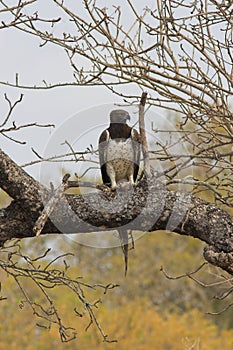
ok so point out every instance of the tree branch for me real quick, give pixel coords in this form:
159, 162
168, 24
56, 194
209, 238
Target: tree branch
143, 134
18, 184
149, 207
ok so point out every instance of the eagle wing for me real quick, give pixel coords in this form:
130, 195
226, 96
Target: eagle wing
137, 151
103, 143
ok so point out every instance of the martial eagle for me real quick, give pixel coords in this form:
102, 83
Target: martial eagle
119, 151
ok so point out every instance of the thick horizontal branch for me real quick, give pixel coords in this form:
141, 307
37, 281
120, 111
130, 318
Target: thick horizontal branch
18, 184
147, 207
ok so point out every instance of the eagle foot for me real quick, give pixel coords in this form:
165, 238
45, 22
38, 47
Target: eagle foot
103, 188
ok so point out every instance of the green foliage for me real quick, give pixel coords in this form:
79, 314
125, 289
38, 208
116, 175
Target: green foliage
146, 311
137, 325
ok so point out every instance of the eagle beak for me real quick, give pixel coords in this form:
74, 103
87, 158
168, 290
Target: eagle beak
128, 117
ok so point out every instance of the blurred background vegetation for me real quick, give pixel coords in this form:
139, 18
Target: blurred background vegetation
147, 310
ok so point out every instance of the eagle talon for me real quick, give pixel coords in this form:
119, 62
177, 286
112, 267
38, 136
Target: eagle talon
103, 187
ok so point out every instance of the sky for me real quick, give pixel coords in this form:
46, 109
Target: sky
33, 64
79, 113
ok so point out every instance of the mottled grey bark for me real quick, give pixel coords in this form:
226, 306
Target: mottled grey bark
17, 183
147, 207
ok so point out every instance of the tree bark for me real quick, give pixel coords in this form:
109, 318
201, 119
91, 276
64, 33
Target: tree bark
148, 207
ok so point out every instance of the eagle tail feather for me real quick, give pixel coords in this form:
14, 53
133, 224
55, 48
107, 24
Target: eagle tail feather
125, 246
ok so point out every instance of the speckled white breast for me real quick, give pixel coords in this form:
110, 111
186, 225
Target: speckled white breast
120, 149
120, 155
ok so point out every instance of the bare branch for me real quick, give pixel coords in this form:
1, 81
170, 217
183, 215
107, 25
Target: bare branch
5, 129
143, 134
46, 279
41, 221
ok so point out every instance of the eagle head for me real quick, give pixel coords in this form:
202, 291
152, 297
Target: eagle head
119, 116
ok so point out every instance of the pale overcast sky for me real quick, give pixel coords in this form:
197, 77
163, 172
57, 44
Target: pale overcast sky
88, 107
80, 113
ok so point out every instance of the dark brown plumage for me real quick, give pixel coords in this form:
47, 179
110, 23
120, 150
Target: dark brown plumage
119, 150
119, 156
